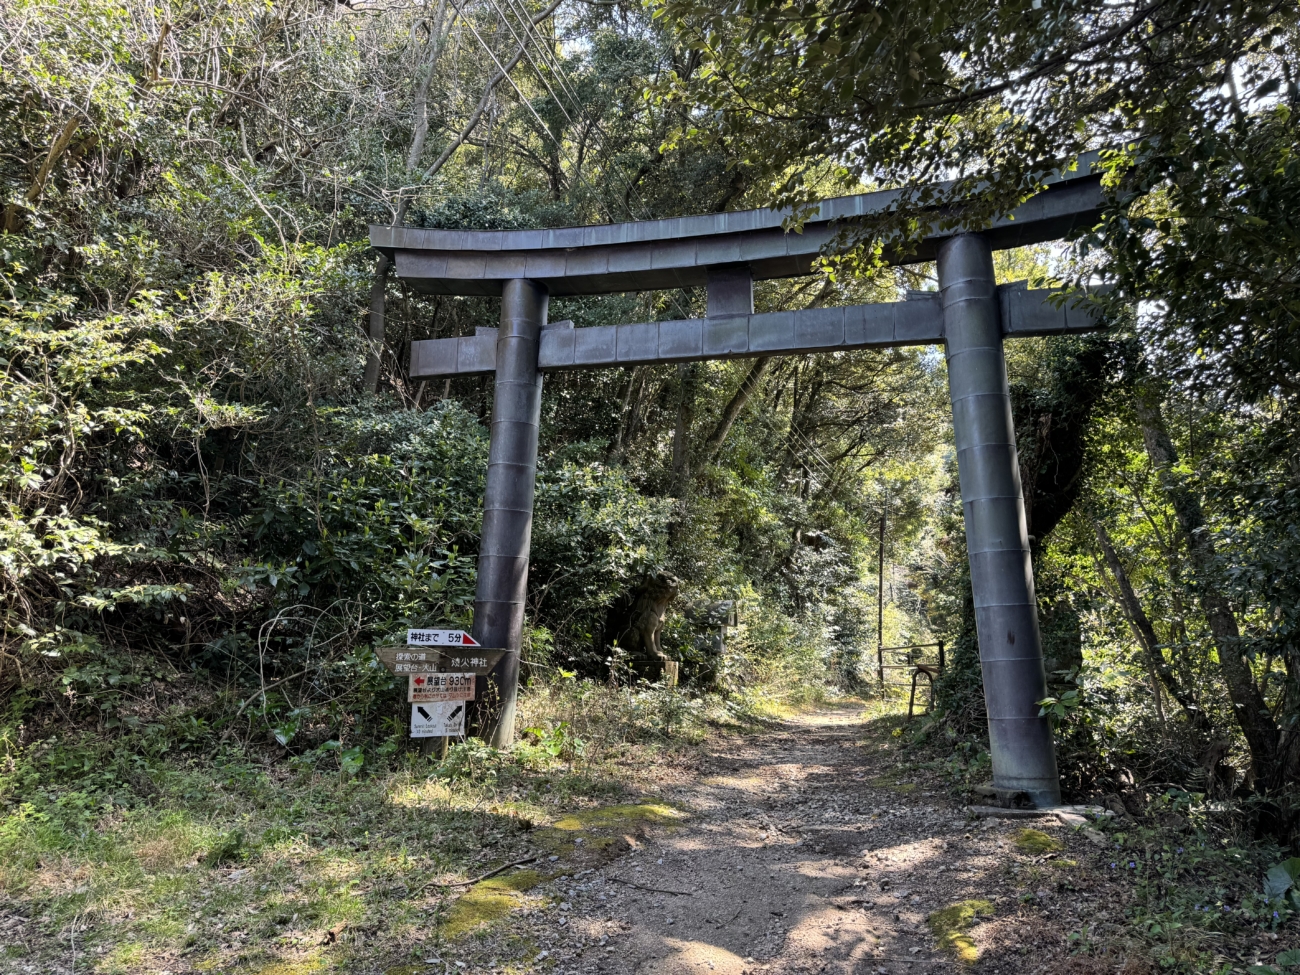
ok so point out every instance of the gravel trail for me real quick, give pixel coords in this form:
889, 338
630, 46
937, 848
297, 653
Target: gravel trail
802, 852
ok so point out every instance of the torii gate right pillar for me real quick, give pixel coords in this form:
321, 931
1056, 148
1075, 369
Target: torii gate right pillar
997, 539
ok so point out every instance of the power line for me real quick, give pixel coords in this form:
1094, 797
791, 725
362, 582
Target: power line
564, 82
529, 54
527, 103
562, 78
529, 26
826, 467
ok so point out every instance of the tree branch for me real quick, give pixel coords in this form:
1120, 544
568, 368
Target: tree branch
731, 411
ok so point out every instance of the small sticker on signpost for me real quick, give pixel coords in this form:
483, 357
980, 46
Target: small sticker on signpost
438, 719
422, 688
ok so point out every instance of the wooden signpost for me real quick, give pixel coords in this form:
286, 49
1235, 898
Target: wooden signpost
439, 638
442, 668
466, 661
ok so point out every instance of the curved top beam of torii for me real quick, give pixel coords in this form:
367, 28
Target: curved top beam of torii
726, 252
678, 252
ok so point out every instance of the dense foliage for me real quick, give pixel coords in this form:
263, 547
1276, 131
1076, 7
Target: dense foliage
208, 514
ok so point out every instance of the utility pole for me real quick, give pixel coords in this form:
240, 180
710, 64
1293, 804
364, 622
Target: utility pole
880, 607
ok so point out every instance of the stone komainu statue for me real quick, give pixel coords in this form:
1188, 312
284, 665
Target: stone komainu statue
636, 621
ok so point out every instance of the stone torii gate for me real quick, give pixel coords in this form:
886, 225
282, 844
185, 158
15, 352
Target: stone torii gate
726, 252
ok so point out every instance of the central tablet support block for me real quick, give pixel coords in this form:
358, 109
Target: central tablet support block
725, 253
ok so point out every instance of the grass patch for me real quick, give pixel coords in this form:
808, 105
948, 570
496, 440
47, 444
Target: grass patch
250, 866
951, 924
246, 862
1036, 842
306, 966
124, 956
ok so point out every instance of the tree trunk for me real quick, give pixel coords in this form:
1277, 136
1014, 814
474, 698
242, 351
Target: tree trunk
687, 375
732, 410
420, 111
375, 332
1248, 704
1145, 633
630, 400
636, 415
13, 211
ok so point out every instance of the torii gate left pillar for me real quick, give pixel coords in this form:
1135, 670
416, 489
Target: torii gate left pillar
970, 317
502, 587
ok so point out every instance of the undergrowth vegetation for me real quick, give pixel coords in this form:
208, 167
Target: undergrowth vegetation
1181, 885
219, 853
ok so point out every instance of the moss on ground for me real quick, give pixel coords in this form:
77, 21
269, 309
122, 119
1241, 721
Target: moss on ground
1037, 842
951, 924
620, 818
305, 966
891, 781
488, 901
600, 830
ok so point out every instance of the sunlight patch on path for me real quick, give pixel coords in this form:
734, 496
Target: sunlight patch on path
694, 958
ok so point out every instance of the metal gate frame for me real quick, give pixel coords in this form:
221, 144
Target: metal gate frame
912, 661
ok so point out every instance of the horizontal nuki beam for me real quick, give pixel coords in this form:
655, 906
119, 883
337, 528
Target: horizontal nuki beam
917, 321
678, 252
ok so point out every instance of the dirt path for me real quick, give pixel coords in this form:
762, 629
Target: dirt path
803, 853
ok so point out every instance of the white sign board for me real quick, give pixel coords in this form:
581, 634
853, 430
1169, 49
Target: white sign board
439, 638
438, 719
423, 688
